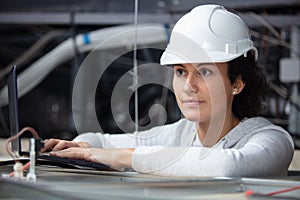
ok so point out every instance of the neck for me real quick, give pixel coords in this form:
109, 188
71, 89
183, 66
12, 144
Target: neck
211, 132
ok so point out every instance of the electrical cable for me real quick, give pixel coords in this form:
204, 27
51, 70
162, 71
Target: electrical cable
283, 92
265, 23
9, 140
283, 191
35, 48
20, 167
274, 41
277, 40
249, 193
37, 71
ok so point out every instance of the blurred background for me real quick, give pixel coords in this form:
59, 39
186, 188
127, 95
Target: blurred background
41, 38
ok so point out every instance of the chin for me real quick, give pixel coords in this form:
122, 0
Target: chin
196, 118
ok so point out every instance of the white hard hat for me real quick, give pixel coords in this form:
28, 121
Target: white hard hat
208, 33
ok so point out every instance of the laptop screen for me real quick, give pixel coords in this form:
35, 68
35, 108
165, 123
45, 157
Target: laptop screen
14, 129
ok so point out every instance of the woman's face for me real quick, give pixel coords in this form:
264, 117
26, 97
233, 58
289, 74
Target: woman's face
203, 91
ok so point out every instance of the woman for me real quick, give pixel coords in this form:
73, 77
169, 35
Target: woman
218, 88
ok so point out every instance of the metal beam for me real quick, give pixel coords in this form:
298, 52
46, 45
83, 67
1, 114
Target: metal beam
90, 18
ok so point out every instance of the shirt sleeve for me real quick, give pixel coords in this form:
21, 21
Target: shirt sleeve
99, 140
263, 155
167, 135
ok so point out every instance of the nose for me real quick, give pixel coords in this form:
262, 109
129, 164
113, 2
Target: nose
190, 84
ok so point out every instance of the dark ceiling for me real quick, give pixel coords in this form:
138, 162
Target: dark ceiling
145, 6
23, 22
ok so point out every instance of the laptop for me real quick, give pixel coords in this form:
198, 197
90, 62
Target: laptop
44, 159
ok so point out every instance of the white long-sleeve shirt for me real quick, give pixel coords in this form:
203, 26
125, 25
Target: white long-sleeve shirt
255, 147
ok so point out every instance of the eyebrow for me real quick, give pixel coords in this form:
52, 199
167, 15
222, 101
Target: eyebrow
181, 65
201, 64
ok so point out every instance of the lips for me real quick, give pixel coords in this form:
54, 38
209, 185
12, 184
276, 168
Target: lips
192, 102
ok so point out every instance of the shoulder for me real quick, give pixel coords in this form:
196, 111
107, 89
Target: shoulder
257, 128
259, 124
267, 127
256, 125
256, 122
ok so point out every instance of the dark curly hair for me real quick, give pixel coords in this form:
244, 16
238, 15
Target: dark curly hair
249, 102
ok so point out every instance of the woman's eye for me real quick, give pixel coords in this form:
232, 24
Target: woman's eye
204, 72
180, 72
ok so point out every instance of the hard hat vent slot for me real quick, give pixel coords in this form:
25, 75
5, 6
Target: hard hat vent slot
231, 48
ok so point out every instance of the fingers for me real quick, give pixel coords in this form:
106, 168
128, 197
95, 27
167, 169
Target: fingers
63, 144
49, 144
88, 154
118, 159
84, 144
72, 153
56, 145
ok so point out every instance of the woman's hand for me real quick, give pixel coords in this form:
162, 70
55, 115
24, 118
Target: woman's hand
57, 145
118, 159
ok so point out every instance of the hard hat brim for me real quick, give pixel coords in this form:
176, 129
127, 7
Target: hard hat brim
171, 57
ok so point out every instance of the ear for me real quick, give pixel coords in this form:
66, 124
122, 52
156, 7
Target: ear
238, 86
